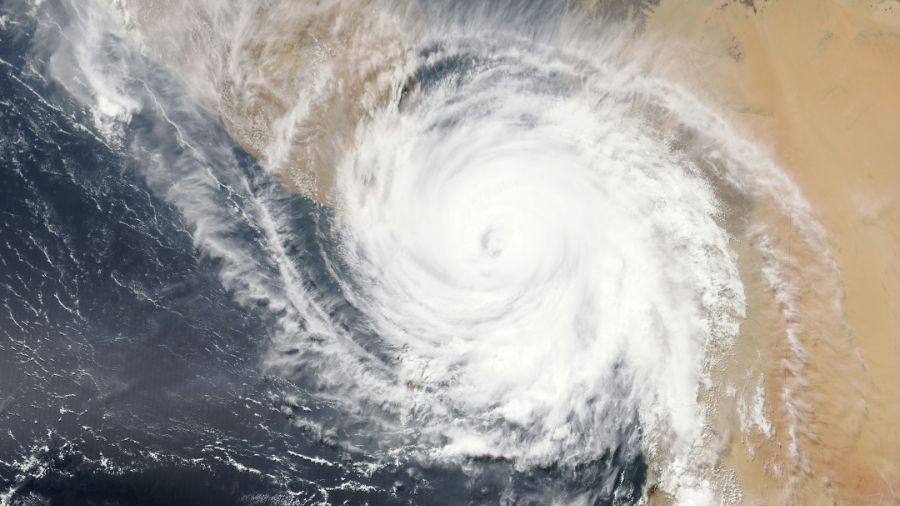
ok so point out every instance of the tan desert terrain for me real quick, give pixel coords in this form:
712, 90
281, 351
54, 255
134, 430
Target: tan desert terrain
289, 80
817, 82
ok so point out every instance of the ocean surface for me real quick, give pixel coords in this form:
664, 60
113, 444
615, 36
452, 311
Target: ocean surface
136, 281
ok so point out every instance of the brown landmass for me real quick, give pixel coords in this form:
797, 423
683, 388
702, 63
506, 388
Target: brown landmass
818, 82
290, 80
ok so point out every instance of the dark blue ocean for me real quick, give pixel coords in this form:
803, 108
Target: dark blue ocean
130, 375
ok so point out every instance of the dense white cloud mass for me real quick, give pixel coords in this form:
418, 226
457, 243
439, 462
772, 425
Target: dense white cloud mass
535, 237
541, 263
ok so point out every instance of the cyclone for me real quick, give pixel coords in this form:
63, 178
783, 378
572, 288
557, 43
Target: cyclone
542, 265
512, 249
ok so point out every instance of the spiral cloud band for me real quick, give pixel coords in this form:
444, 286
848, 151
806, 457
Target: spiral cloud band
540, 261
535, 247
544, 250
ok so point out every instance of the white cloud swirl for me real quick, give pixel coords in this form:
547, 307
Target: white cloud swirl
543, 265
